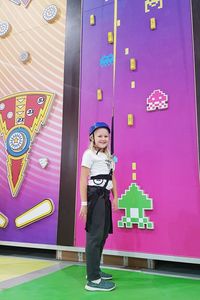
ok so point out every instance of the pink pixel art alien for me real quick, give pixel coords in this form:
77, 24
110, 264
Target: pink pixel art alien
157, 100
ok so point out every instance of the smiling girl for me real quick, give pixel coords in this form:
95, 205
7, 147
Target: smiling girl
96, 182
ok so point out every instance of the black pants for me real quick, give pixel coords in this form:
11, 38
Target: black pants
98, 226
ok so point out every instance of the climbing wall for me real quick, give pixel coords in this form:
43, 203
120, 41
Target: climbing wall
147, 74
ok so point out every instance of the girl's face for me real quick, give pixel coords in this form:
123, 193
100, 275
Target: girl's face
101, 137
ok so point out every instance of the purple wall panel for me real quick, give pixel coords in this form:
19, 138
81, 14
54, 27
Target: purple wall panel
162, 143
94, 76
92, 4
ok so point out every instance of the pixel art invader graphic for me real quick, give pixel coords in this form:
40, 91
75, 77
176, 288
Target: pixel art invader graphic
157, 100
135, 202
153, 3
106, 60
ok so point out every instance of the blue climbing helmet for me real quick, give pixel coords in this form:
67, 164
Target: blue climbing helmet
98, 125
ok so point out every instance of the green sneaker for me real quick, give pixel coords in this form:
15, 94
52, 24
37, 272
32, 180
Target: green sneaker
105, 276
103, 285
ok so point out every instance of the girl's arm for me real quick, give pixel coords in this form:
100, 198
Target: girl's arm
114, 192
83, 191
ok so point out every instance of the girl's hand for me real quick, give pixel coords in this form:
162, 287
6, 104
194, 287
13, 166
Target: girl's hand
115, 204
83, 212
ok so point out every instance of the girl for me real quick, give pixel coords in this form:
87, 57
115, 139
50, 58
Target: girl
96, 182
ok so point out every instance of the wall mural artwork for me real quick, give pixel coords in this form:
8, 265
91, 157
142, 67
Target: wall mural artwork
157, 100
135, 202
106, 60
3, 220
21, 117
31, 74
153, 3
5, 29
42, 210
50, 13
19, 2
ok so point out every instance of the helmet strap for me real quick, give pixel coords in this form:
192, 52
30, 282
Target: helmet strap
98, 151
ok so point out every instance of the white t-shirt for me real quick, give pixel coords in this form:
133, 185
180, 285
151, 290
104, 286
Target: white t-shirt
98, 164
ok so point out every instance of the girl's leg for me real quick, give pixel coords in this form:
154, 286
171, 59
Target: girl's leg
95, 240
107, 226
92, 257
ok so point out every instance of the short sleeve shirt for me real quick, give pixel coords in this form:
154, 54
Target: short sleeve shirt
98, 164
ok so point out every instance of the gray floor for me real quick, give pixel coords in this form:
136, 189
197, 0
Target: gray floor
33, 275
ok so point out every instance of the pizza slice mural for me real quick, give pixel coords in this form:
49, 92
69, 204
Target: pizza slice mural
21, 116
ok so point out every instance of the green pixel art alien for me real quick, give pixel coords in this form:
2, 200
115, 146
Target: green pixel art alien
135, 202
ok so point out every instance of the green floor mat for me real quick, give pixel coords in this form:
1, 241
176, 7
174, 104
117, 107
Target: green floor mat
68, 284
